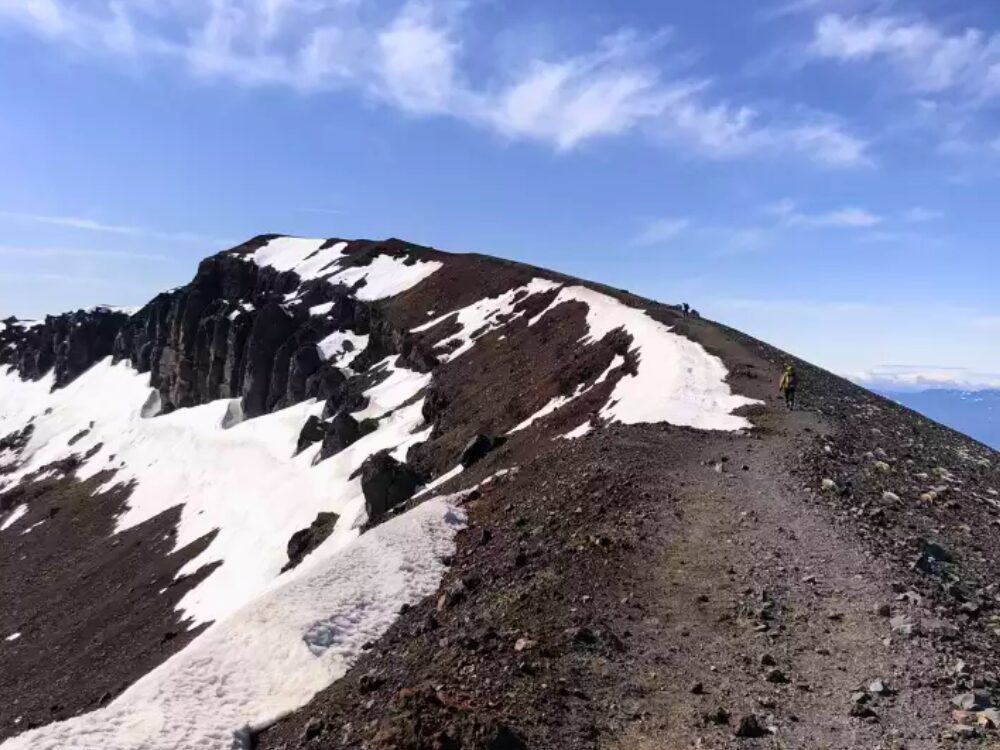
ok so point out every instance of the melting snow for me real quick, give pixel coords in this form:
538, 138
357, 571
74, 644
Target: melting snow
273, 655
385, 276
240, 481
332, 347
12, 637
677, 380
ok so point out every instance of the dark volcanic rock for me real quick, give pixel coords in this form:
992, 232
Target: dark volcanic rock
343, 430
271, 330
304, 541
305, 362
69, 343
312, 431
476, 449
386, 483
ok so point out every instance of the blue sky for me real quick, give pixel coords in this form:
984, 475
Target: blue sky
820, 173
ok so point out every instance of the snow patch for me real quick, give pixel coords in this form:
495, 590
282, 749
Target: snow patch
578, 431
333, 346
482, 317
273, 655
385, 276
12, 637
13, 517
236, 478
677, 380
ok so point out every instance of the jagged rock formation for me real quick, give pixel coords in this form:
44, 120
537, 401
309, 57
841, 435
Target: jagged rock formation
66, 344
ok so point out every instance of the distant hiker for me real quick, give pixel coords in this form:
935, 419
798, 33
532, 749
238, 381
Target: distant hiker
685, 308
789, 382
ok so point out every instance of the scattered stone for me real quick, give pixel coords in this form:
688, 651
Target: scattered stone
862, 711
697, 689
313, 729
717, 716
476, 449
884, 610
524, 644
989, 719
750, 727
974, 700
504, 738
767, 661
882, 466
777, 677
902, 625
829, 485
890, 497
878, 687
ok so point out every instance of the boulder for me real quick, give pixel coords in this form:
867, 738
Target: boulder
341, 431
312, 431
386, 483
476, 449
304, 541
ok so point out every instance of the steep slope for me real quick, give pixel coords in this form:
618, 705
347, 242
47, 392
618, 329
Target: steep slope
469, 503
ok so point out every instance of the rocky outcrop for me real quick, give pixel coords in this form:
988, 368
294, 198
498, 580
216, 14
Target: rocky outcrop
304, 541
386, 483
240, 330
67, 344
476, 449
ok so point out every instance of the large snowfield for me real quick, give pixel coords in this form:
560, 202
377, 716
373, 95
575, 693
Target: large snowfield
277, 639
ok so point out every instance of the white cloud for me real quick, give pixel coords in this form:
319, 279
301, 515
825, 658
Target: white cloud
93, 225
923, 377
661, 231
415, 57
929, 59
849, 217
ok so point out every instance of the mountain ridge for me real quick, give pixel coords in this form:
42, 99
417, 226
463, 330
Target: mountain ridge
293, 383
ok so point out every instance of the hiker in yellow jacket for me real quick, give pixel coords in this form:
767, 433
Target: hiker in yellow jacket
789, 383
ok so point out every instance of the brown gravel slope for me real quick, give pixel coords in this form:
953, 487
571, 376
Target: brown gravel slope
659, 587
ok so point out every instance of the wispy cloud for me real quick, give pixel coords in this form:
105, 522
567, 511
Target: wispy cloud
329, 211
418, 57
929, 59
72, 252
56, 278
849, 217
93, 225
661, 231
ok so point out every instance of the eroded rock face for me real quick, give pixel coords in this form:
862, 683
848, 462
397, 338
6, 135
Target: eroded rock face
386, 483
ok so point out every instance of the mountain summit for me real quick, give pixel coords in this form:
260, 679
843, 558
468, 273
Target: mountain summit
369, 494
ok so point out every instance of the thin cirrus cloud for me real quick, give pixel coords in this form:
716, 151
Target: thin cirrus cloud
92, 225
661, 231
418, 58
928, 59
73, 252
849, 217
